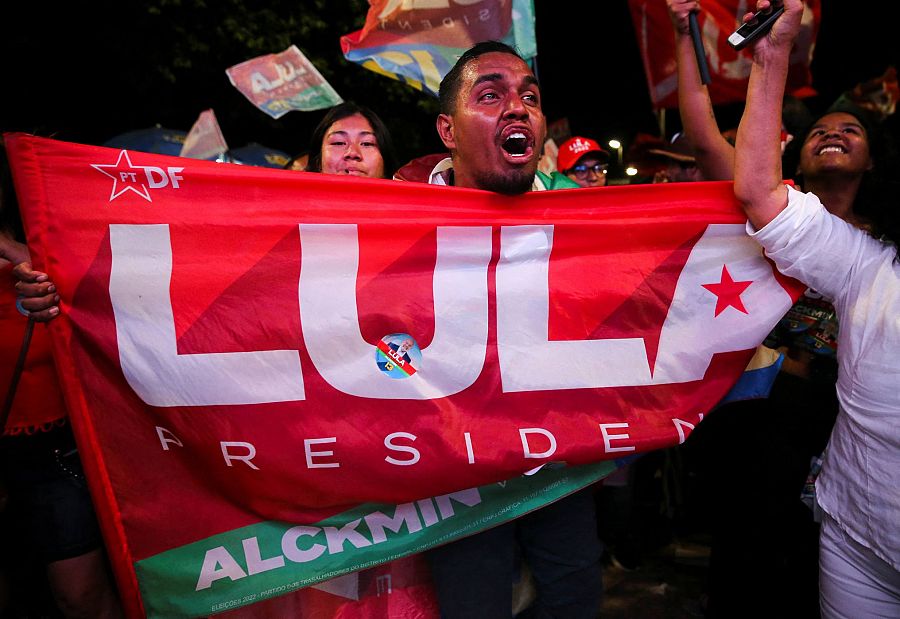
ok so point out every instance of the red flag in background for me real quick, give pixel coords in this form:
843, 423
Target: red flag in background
729, 69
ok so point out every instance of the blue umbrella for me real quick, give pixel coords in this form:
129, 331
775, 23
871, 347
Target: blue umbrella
258, 155
152, 140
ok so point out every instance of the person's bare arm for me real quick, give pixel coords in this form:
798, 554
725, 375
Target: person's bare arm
12, 251
715, 156
757, 165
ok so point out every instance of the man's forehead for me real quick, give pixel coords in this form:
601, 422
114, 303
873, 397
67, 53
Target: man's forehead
498, 66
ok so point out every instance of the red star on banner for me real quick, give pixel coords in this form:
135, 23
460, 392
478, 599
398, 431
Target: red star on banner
728, 292
126, 174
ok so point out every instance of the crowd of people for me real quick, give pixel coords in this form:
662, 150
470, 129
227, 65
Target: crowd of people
835, 228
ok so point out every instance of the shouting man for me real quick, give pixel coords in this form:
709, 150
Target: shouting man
493, 125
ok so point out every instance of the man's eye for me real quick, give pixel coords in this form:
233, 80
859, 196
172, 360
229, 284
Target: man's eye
489, 96
371, 144
337, 143
531, 98
852, 130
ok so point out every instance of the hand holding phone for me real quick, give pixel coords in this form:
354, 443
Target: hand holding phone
757, 26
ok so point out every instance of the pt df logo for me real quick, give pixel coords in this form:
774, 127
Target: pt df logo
398, 355
139, 179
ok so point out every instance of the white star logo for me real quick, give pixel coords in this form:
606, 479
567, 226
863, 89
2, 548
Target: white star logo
125, 177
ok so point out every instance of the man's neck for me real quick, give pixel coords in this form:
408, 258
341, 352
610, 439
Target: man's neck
459, 178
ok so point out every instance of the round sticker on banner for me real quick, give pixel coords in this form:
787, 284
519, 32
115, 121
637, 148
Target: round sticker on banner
398, 355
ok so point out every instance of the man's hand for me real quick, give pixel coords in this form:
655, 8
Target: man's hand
37, 293
678, 13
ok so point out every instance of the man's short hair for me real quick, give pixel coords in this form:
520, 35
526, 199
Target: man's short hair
450, 85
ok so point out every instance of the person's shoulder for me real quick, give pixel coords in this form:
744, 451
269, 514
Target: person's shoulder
554, 180
419, 170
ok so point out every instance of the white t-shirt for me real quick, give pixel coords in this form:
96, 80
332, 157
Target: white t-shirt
860, 482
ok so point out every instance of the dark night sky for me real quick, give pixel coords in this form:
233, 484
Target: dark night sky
852, 46
64, 72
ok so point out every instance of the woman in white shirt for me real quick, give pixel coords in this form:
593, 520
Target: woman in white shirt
858, 489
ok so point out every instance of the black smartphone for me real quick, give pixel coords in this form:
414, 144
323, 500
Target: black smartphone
758, 25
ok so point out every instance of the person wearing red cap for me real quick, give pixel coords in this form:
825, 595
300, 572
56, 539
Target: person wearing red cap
584, 161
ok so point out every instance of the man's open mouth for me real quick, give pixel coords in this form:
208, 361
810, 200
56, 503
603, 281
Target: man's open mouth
516, 144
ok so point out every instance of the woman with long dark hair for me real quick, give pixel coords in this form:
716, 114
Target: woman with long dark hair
351, 140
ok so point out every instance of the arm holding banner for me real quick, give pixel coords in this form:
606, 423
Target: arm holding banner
38, 293
715, 156
11, 250
758, 181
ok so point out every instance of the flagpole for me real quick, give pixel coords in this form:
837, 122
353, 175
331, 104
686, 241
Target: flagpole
17, 374
699, 50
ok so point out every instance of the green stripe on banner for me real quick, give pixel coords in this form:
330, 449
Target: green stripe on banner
264, 560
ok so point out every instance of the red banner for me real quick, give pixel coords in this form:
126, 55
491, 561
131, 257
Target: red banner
222, 348
728, 68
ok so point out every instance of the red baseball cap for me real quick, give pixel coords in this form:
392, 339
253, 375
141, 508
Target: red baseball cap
574, 149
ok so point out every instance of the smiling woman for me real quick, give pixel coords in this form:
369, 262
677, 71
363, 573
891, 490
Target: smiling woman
351, 140
839, 156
